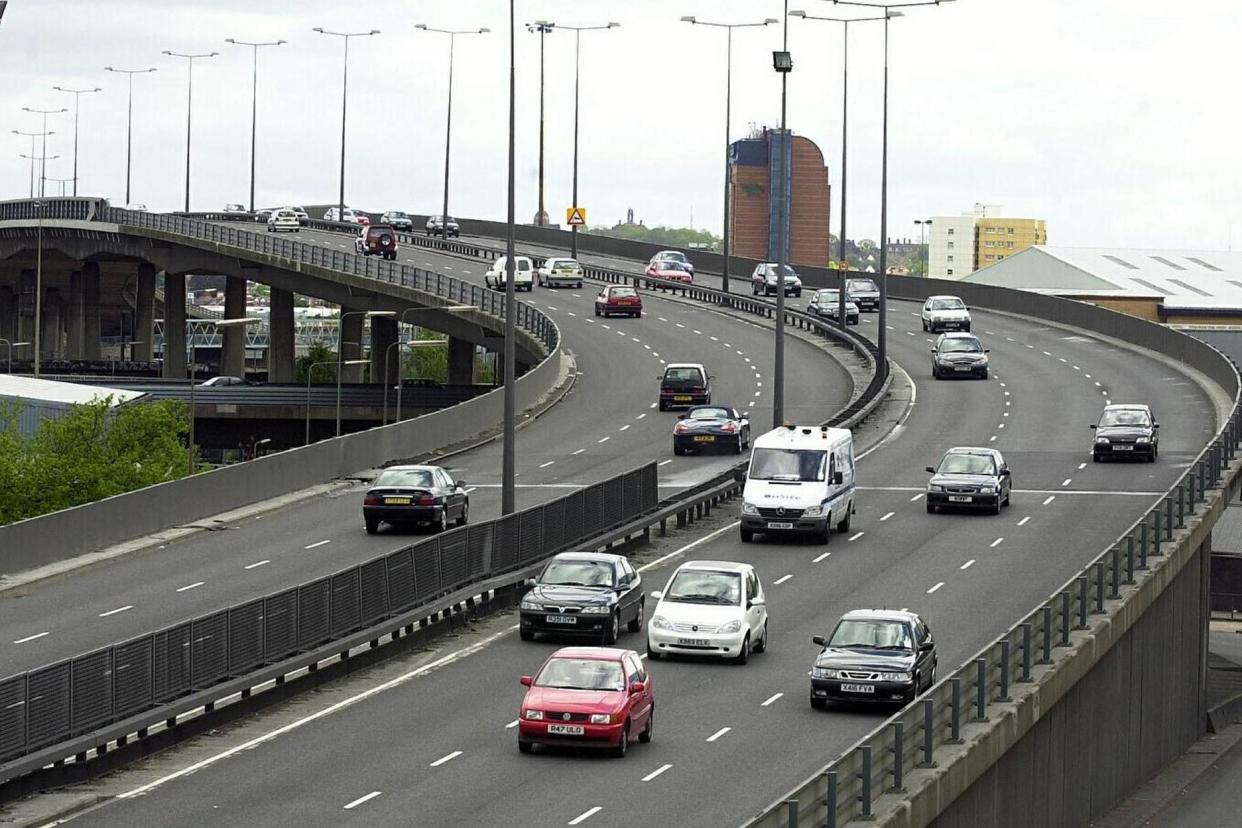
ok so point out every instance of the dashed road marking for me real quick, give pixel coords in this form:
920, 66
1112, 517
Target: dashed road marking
585, 815
318, 544
189, 587
31, 637
781, 580
258, 564
443, 760
718, 734
362, 799
968, 564
771, 699
938, 585
656, 772
125, 608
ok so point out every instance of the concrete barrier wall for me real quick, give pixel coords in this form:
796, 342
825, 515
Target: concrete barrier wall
65, 534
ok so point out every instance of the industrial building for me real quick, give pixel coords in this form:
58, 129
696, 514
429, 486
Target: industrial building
960, 245
39, 399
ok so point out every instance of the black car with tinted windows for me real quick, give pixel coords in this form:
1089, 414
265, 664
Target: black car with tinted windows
398, 220
710, 427
864, 292
437, 226
583, 594
970, 478
959, 355
685, 383
415, 495
873, 656
1126, 431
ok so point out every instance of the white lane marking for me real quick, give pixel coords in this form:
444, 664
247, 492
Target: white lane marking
661, 318
125, 608
189, 587
585, 815
938, 585
857, 535
636, 339
648, 347
910, 333
656, 772
1066, 481
605, 327
1005, 414
996, 543
551, 307
1049, 499
318, 543
1076, 368
1063, 359
361, 800
579, 451
992, 439
968, 564
680, 325
1024, 520
771, 699
624, 427
258, 564
781, 580
603, 439
511, 725
545, 465
640, 416
700, 333
472, 488
1082, 466
445, 759
1097, 384
653, 405
886, 517
571, 313
1047, 354
1002, 425
664, 462
715, 339
916, 497
718, 734
31, 637
820, 557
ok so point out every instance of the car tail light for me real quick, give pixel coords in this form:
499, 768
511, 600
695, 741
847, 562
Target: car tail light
680, 428
372, 500
696, 390
426, 500
729, 427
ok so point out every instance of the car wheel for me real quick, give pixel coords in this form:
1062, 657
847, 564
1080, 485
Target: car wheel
578, 286
525, 746
372, 526
652, 655
465, 513
662, 406
1095, 458
637, 623
623, 746
442, 523
931, 508
738, 448
526, 635
613, 630
1008, 496
678, 450
935, 372
747, 535
762, 646
819, 704
844, 525
823, 536
996, 507
645, 736
743, 655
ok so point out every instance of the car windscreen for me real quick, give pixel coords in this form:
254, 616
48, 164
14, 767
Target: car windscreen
413, 478
701, 586
1125, 417
681, 376
581, 674
577, 572
673, 255
712, 413
770, 272
961, 463
961, 345
565, 264
522, 264
827, 296
622, 292
803, 465
670, 265
873, 634
862, 285
947, 304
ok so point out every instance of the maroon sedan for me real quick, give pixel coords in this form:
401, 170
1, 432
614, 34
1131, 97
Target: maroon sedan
587, 697
621, 299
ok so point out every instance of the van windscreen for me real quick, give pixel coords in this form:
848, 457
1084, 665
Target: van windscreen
803, 465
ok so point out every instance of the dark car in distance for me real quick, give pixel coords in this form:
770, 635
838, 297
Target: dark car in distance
874, 656
711, 426
685, 383
864, 292
583, 594
415, 495
970, 478
399, 220
1126, 430
959, 355
437, 226
377, 240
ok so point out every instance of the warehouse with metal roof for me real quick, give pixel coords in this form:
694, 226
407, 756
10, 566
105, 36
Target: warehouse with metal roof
38, 399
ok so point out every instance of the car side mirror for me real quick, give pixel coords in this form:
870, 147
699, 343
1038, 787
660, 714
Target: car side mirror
461, 484
1092, 426
1005, 472
931, 350
757, 601
681, 416
637, 687
1155, 425
987, 350
527, 681
745, 415
931, 469
528, 584
927, 646
820, 640
657, 594
838, 478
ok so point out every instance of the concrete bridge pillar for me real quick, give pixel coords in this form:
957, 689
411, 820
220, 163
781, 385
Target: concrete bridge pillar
90, 310
26, 306
460, 362
8, 314
144, 314
280, 345
351, 343
51, 342
174, 326
233, 356
73, 316
383, 358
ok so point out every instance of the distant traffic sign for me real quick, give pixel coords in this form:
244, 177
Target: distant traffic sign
575, 216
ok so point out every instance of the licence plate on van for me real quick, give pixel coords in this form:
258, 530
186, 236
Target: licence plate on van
780, 525
693, 642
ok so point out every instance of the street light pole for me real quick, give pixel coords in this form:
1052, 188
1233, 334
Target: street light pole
728, 27
129, 118
310, 372
508, 471
77, 95
223, 323
38, 318
340, 329
254, 98
783, 64
189, 111
448, 116
340, 215
923, 224
11, 346
543, 27
44, 133
400, 377
32, 156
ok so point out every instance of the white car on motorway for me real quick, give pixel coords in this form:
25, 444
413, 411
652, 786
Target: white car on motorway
352, 216
283, 219
557, 272
942, 313
709, 608
523, 274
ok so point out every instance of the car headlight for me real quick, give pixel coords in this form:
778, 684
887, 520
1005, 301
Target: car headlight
894, 677
987, 490
1101, 440
749, 508
599, 609
527, 604
730, 627
825, 673
813, 511
1143, 440
601, 718
660, 622
534, 715
935, 487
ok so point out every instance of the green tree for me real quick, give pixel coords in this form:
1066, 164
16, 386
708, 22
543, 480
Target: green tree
427, 362
671, 236
316, 355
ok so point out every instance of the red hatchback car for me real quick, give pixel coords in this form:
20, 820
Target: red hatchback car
670, 270
587, 697
621, 299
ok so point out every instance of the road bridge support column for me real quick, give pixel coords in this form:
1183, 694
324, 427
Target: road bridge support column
384, 334
51, 344
351, 343
26, 282
233, 355
8, 314
90, 310
280, 349
174, 326
460, 362
144, 314
73, 317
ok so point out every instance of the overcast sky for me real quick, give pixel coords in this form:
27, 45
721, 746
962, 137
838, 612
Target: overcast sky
1112, 119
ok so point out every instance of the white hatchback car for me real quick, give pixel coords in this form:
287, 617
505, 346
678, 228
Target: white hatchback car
945, 313
523, 274
710, 608
283, 219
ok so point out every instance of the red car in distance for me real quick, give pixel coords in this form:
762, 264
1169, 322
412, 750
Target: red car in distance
670, 270
618, 299
587, 697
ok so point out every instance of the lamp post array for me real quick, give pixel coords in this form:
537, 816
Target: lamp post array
923, 253
77, 96
32, 156
345, 36
782, 62
44, 133
542, 28
129, 117
189, 109
254, 98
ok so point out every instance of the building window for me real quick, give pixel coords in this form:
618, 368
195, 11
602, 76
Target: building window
989, 257
1011, 245
1011, 231
950, 270
950, 243
950, 231
950, 258
989, 243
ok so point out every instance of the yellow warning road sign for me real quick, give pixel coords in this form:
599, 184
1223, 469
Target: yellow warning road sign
575, 216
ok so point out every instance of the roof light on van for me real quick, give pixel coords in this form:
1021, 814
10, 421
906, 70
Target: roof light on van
806, 431
790, 426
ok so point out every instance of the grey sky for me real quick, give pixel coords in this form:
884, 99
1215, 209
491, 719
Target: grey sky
1112, 119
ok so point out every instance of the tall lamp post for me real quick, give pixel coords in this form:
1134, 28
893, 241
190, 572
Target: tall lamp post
542, 28
340, 215
38, 317
923, 225
44, 133
728, 27
340, 329
77, 95
310, 372
448, 116
11, 346
578, 30
254, 98
508, 465
891, 10
189, 109
62, 182
782, 62
32, 156
400, 365
129, 118
222, 323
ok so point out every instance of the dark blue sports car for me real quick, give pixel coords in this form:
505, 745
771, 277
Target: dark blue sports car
711, 426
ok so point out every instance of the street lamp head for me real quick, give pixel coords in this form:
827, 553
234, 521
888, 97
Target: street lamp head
484, 30
374, 32
381, 313
891, 13
416, 25
229, 40
798, 13
688, 18
233, 323
770, 20
281, 42
167, 52
782, 61
612, 24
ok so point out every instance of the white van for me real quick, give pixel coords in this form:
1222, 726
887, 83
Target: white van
800, 480
523, 274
